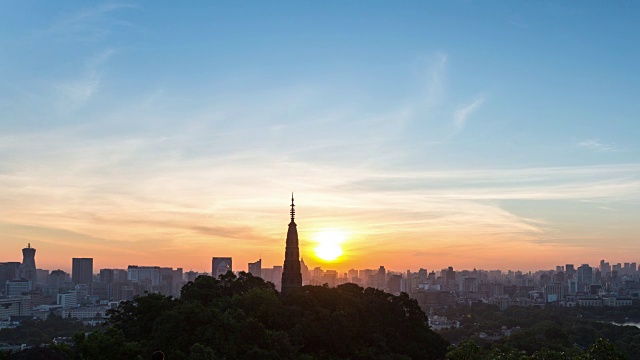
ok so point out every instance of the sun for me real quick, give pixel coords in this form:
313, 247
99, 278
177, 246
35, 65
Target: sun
328, 248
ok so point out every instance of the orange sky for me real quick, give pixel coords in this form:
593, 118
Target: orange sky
379, 231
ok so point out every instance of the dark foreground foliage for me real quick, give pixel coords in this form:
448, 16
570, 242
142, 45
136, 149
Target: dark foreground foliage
36, 353
600, 350
37, 332
245, 318
548, 333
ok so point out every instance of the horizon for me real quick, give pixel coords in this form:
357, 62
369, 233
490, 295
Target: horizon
325, 266
460, 133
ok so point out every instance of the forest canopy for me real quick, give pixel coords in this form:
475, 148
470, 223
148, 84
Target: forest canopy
244, 317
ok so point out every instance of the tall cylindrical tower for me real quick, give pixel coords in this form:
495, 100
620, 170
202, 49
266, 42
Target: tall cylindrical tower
28, 267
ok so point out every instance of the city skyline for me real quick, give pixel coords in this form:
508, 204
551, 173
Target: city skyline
417, 134
330, 266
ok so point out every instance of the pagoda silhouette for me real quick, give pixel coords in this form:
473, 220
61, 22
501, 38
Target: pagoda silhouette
291, 275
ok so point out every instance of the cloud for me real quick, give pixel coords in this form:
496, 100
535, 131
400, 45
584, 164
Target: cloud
596, 146
620, 181
461, 114
86, 25
161, 175
435, 87
184, 173
73, 93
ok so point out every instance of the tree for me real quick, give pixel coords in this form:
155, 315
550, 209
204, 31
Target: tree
603, 349
243, 317
201, 352
466, 350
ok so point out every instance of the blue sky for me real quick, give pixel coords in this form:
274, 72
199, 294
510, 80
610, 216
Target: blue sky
433, 133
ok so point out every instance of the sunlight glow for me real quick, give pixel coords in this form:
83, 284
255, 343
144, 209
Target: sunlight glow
328, 248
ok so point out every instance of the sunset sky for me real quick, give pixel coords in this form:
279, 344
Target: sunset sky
487, 134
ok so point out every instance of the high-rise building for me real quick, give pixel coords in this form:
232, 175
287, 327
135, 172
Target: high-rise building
450, 277
496, 289
255, 268
106, 276
605, 268
67, 300
28, 267
17, 287
569, 271
57, 279
42, 277
617, 267
18, 306
304, 269
330, 278
82, 271
352, 275
8, 271
144, 274
394, 284
381, 278
470, 284
553, 292
267, 274
584, 276
277, 277
558, 277
220, 266
191, 275
291, 274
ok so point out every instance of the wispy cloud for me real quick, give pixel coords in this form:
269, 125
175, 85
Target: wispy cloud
436, 80
613, 182
461, 114
86, 25
192, 181
597, 146
75, 92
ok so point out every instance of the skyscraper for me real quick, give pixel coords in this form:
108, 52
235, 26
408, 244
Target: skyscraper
291, 275
8, 271
220, 266
82, 271
304, 269
570, 271
28, 267
380, 278
255, 268
585, 276
57, 279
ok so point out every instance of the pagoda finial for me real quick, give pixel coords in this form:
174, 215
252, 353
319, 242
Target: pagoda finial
293, 210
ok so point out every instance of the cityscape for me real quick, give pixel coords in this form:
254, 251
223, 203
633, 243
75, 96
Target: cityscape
328, 180
87, 293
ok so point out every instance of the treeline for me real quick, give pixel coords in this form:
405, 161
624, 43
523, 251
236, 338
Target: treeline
600, 350
567, 331
37, 332
244, 317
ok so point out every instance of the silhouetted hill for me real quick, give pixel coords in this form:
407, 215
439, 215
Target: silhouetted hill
244, 317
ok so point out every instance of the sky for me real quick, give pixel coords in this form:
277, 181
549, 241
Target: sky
473, 134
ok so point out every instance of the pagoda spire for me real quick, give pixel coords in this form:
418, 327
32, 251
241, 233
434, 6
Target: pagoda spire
291, 274
293, 209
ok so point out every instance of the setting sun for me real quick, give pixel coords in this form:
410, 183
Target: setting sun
328, 248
